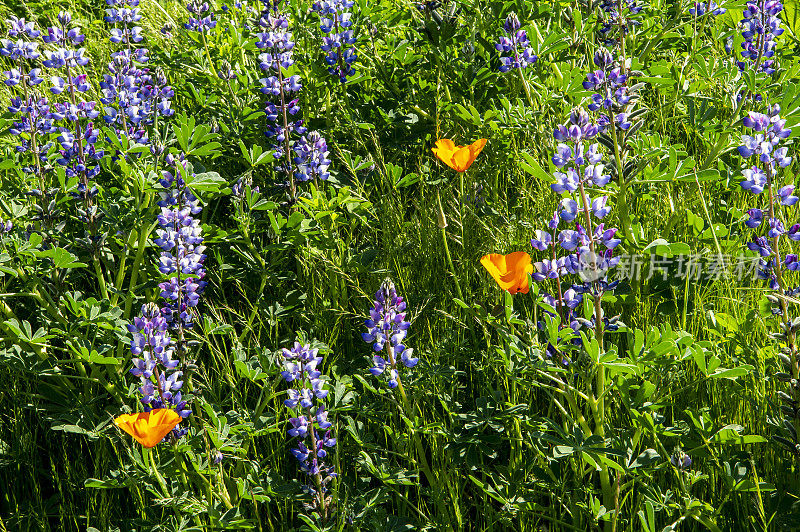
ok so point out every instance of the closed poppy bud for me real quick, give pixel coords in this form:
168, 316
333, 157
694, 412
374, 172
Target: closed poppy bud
510, 271
441, 221
459, 158
149, 428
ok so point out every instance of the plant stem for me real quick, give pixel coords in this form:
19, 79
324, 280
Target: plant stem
442, 225
622, 200
598, 400
154, 469
526, 87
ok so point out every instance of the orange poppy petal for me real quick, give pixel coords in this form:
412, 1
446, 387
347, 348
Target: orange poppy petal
491, 262
518, 260
462, 159
459, 158
450, 162
495, 264
445, 145
444, 151
510, 272
524, 282
149, 428
476, 147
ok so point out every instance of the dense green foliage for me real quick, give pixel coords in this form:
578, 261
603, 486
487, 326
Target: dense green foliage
495, 437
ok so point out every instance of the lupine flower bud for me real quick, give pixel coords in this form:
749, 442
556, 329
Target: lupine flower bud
681, 460
198, 22
312, 157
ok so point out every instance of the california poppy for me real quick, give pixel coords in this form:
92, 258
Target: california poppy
459, 158
510, 271
149, 428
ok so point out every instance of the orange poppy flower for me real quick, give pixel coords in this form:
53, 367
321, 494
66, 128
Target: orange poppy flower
510, 271
459, 158
149, 428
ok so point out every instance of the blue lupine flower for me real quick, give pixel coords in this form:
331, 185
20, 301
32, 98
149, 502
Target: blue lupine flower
336, 22
565, 181
202, 20
754, 180
180, 237
276, 45
701, 8
611, 96
756, 216
300, 368
516, 44
681, 460
217, 457
767, 157
591, 254
549, 269
776, 228
600, 207
760, 25
78, 136
312, 157
18, 26
770, 131
617, 18
153, 348
761, 245
133, 95
542, 241
387, 328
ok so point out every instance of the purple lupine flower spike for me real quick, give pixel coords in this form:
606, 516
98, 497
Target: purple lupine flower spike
762, 148
312, 157
387, 328
300, 365
705, 8
590, 244
73, 119
159, 354
336, 22
760, 26
610, 86
516, 44
276, 44
160, 380
201, 19
681, 460
618, 19
180, 237
132, 93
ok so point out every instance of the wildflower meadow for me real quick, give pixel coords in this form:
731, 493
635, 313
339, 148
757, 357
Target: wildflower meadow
398, 265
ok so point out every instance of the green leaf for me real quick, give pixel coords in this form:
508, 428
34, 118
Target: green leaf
532, 166
96, 358
732, 373
62, 258
647, 457
206, 182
